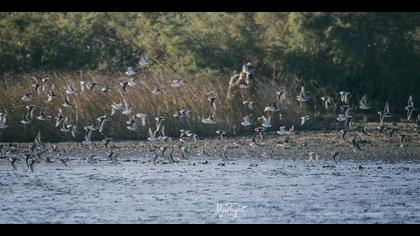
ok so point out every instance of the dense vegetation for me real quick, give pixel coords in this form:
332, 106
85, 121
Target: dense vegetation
373, 53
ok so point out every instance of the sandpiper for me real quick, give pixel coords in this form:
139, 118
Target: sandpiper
26, 120
220, 134
403, 138
13, 162
37, 85
343, 133
176, 83
313, 155
355, 143
282, 131
130, 71
157, 91
246, 121
387, 113
91, 85
106, 89
159, 122
132, 82
106, 142
304, 119
334, 156
59, 118
70, 89
183, 114
67, 102
265, 121
212, 101
52, 94
281, 96
142, 117
345, 97
38, 139
410, 107
171, 157
124, 86
112, 156
326, 101
143, 61
30, 160
43, 116
88, 135
82, 85
152, 135
363, 104
126, 109
30, 111
209, 120
3, 120
102, 121
249, 104
272, 108
132, 124
302, 97
115, 107
27, 97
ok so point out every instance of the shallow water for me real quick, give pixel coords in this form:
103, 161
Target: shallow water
245, 190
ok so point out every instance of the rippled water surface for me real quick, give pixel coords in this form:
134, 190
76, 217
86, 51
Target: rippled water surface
245, 190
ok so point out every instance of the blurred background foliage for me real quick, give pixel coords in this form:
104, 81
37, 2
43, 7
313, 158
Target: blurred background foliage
369, 52
376, 52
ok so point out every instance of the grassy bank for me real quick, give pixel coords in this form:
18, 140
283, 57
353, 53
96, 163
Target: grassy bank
89, 105
193, 95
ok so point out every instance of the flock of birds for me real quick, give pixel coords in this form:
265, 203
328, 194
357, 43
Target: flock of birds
162, 146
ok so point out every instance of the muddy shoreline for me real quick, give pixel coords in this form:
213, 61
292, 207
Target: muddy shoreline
265, 184
376, 146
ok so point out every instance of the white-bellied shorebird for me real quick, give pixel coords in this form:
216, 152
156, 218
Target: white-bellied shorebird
27, 97
176, 83
115, 106
302, 96
363, 103
126, 109
157, 91
246, 121
142, 117
304, 119
327, 101
345, 97
130, 71
3, 120
209, 120
265, 121
410, 107
124, 86
249, 104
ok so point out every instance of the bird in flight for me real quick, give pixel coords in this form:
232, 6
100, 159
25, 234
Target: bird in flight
363, 104
130, 71
302, 97
246, 121
410, 107
327, 101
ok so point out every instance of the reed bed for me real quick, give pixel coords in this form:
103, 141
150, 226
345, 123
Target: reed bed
88, 105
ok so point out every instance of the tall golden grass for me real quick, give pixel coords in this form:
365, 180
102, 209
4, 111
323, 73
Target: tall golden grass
192, 95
